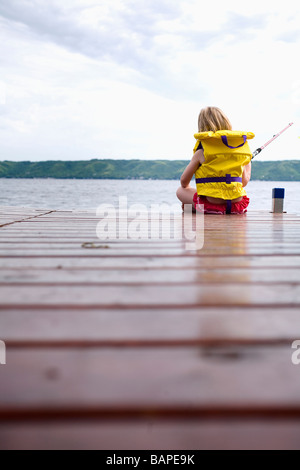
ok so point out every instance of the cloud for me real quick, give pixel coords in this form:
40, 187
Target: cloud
144, 39
235, 28
289, 36
86, 78
122, 34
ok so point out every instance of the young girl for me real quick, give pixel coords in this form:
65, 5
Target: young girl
221, 164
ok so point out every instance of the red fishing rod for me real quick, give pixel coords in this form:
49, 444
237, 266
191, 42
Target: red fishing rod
257, 151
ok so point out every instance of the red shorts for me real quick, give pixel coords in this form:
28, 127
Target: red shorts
210, 208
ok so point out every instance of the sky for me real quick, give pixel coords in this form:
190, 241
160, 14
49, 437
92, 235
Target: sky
84, 79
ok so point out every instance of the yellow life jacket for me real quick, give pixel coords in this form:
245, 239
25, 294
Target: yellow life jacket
226, 154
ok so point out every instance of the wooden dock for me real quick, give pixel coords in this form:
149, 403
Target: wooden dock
127, 344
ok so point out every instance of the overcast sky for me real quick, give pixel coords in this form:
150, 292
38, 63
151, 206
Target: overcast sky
82, 79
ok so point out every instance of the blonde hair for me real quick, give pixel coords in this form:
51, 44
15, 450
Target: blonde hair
213, 119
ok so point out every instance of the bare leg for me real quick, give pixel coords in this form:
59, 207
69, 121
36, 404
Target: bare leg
185, 195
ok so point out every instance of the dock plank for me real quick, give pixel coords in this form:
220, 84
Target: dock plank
144, 327
150, 262
91, 277
182, 434
180, 381
149, 295
129, 332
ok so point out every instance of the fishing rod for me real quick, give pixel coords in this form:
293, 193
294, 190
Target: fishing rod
257, 151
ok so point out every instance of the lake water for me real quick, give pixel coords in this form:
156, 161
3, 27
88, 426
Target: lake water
89, 194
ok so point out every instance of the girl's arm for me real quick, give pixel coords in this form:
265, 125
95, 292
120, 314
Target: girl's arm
187, 175
246, 174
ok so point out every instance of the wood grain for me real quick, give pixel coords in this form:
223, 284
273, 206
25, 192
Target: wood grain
136, 344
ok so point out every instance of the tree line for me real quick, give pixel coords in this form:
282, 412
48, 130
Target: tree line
288, 170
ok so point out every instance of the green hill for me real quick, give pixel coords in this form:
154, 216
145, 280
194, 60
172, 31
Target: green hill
288, 170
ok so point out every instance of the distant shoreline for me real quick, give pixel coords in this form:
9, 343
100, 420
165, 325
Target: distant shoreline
123, 179
283, 170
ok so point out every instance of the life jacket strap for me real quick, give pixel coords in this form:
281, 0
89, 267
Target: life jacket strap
220, 179
228, 206
225, 142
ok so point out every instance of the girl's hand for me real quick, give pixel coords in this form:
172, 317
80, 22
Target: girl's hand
187, 175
